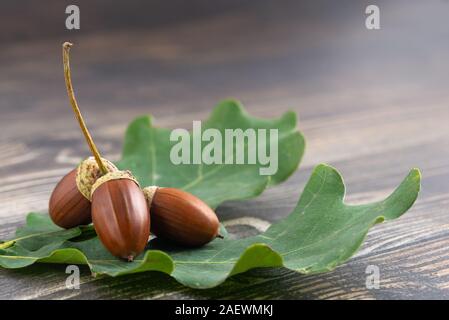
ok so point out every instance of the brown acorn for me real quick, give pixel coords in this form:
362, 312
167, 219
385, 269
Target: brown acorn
69, 204
120, 214
119, 208
181, 217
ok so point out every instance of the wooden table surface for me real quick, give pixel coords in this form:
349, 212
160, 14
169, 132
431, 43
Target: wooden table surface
371, 103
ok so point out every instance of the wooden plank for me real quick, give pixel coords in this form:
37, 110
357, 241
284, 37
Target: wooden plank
371, 105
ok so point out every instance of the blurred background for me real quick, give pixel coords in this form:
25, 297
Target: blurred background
373, 103
172, 58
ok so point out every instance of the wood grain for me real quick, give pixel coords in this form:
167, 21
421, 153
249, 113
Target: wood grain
372, 104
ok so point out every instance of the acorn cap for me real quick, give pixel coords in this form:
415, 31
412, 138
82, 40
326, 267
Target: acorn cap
114, 175
88, 172
149, 193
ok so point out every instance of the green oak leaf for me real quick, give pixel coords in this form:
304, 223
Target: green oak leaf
146, 153
321, 233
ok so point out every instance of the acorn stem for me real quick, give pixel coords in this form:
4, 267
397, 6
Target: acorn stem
68, 81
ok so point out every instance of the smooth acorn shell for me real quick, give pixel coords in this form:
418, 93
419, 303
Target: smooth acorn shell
120, 217
68, 208
182, 218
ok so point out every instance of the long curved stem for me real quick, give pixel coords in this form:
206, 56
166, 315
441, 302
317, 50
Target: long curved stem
68, 81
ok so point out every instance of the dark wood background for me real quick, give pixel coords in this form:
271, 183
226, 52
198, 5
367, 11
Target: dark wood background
371, 103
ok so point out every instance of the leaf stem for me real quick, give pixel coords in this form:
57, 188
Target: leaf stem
68, 81
7, 244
